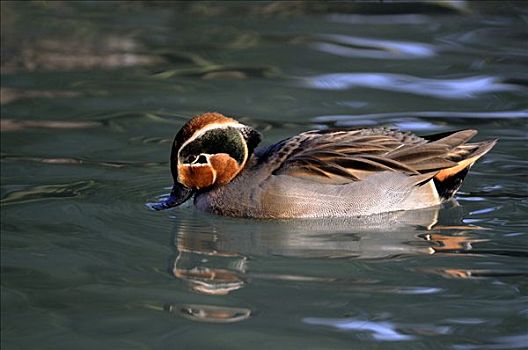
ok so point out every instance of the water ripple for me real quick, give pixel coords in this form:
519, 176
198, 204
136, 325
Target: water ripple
81, 161
507, 342
210, 313
380, 330
46, 192
379, 19
351, 46
418, 290
18, 125
461, 88
344, 120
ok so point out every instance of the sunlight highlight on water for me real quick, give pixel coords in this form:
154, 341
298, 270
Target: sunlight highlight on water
461, 88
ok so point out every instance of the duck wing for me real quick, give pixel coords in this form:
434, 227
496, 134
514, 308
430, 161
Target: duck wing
344, 156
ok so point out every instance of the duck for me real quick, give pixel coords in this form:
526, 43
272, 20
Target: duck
317, 173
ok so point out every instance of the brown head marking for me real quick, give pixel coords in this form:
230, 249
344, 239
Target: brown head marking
196, 176
199, 122
211, 149
194, 125
226, 168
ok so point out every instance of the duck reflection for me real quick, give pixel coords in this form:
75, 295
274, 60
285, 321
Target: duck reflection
208, 280
212, 259
452, 243
209, 313
213, 253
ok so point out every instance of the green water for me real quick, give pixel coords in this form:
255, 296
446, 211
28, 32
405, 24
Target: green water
92, 96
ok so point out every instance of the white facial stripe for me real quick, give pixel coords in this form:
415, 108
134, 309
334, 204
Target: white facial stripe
211, 126
246, 153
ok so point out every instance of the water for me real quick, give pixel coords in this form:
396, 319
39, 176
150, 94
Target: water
92, 95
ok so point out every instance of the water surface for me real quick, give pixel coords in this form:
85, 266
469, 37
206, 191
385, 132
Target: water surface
92, 95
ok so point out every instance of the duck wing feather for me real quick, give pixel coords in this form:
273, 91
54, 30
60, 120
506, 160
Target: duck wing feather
344, 156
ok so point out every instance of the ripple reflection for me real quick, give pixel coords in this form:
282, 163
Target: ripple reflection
213, 259
46, 192
461, 88
380, 330
351, 46
210, 313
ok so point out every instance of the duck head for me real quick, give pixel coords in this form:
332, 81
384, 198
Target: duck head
209, 150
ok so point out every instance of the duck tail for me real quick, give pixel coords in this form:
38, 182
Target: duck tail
448, 181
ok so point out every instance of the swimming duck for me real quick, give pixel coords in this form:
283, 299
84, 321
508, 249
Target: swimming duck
318, 173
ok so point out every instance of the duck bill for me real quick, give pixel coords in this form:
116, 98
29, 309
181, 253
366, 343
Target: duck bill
179, 195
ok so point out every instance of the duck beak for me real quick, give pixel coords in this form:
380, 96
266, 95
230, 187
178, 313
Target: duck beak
179, 195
